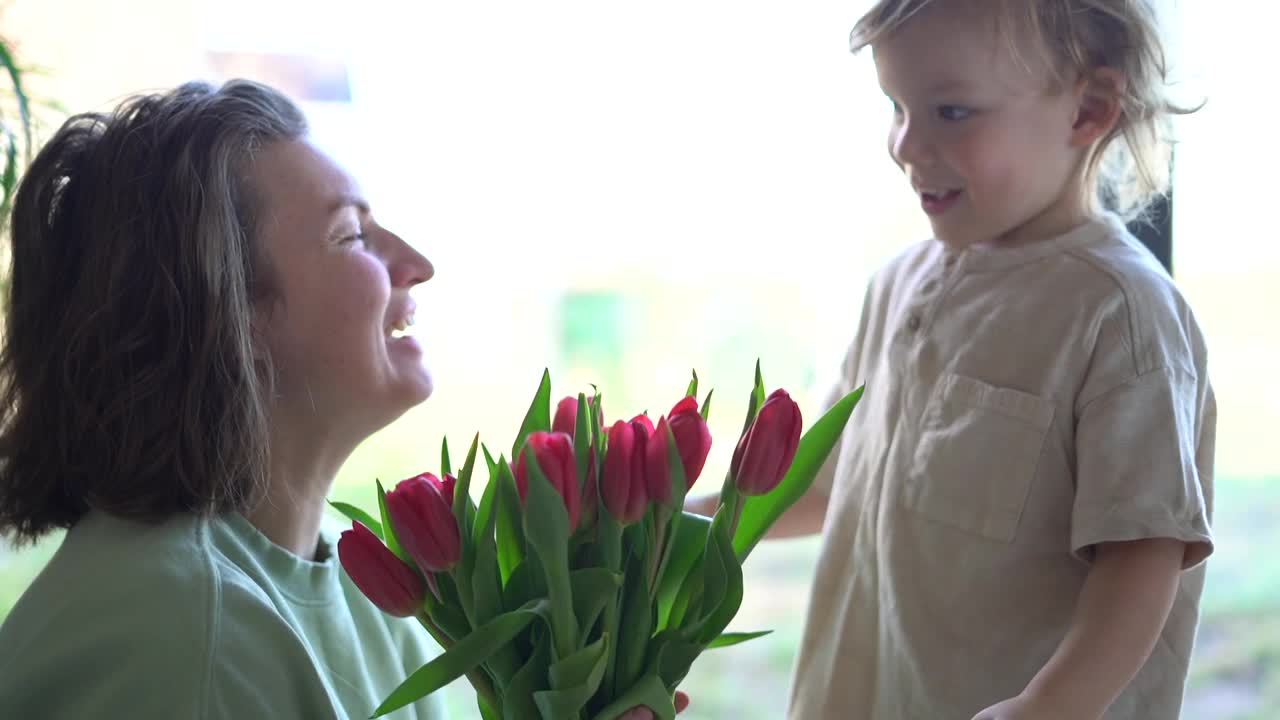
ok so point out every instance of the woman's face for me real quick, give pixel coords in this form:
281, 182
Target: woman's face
334, 322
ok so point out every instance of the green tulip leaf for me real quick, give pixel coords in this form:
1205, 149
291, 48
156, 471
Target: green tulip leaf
635, 626
446, 467
465, 655
354, 513
573, 680
511, 547
687, 545
389, 530
692, 390
673, 656
719, 614
706, 404
538, 417
729, 639
649, 692
517, 698
593, 588
546, 528
463, 509
761, 511
582, 441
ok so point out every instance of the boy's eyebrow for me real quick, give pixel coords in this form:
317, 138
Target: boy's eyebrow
946, 85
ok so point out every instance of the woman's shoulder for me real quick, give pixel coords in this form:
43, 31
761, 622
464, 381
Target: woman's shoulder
121, 603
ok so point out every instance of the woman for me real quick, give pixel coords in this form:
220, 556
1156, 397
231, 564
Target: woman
203, 322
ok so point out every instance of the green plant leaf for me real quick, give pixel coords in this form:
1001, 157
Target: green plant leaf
649, 692
19, 95
673, 656
593, 587
446, 467
487, 515
729, 639
389, 530
636, 624
463, 509
582, 436
761, 511
721, 613
538, 417
466, 654
517, 699
692, 390
526, 583
354, 513
510, 536
548, 537
687, 545
573, 681
706, 404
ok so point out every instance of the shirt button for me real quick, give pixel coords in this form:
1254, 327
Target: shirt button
913, 323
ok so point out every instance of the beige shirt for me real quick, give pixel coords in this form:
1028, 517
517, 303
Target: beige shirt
1022, 405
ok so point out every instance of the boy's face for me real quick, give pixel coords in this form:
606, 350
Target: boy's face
984, 141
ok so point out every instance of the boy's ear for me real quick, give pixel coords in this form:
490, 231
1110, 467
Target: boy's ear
1097, 105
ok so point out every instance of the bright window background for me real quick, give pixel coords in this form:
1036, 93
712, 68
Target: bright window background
622, 192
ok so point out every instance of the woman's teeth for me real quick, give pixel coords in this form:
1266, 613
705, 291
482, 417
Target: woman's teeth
400, 328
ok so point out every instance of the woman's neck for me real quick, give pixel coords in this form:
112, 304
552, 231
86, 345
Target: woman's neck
301, 475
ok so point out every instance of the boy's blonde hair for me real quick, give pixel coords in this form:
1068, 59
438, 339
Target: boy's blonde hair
1076, 36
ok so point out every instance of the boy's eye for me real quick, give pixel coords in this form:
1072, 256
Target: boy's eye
356, 238
952, 113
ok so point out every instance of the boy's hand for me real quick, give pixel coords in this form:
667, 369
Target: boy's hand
644, 713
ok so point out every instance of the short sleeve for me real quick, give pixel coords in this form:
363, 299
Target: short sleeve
1144, 464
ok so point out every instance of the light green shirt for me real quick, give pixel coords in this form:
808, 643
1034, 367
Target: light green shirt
198, 618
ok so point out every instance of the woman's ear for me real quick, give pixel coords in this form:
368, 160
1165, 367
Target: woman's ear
1098, 106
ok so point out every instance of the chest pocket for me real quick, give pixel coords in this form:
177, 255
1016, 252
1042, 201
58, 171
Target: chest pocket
977, 456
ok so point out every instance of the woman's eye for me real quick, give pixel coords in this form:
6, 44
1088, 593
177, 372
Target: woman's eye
356, 238
953, 113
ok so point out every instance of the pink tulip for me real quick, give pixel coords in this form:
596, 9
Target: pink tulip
554, 453
384, 578
765, 451
693, 437
421, 510
566, 415
623, 486
657, 471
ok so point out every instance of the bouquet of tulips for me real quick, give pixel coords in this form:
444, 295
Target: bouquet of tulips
578, 587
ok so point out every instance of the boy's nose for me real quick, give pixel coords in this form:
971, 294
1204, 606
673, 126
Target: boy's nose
908, 146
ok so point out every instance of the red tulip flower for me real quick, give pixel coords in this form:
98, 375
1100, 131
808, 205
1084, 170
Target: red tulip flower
554, 453
421, 510
384, 578
765, 451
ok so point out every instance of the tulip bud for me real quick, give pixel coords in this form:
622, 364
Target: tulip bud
385, 579
765, 451
623, 487
693, 437
657, 470
566, 416
554, 453
446, 487
422, 515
